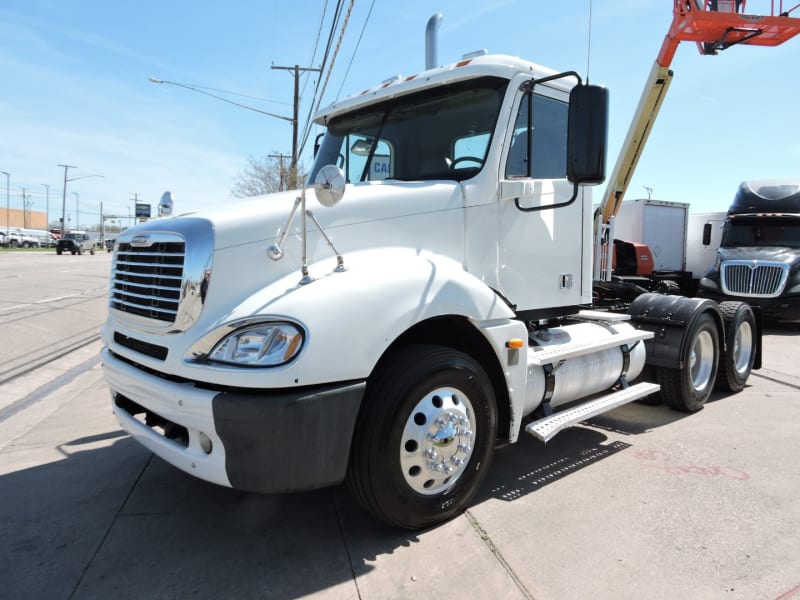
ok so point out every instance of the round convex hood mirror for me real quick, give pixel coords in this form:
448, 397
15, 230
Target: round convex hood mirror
329, 185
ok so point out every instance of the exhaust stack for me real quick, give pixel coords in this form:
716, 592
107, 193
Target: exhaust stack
431, 50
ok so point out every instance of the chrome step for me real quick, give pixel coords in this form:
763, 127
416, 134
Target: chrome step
545, 355
544, 429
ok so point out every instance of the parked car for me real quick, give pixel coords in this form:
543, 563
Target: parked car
110, 245
19, 238
75, 243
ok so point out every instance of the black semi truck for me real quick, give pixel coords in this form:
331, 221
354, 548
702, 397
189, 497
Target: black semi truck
759, 257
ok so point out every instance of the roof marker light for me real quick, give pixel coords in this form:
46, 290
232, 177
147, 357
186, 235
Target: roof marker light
475, 54
391, 80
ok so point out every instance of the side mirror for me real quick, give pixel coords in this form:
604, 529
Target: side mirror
587, 134
707, 234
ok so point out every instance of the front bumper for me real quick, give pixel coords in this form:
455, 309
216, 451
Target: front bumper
266, 441
784, 308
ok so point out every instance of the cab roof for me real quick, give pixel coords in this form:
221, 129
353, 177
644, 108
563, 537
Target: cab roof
496, 65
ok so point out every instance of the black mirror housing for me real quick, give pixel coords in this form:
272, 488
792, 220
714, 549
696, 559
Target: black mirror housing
587, 134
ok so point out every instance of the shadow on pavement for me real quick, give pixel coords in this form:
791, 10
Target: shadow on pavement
100, 517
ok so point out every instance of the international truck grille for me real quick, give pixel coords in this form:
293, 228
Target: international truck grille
147, 279
754, 279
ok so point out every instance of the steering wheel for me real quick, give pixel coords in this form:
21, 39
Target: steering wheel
474, 159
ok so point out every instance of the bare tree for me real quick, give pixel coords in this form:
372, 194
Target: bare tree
266, 175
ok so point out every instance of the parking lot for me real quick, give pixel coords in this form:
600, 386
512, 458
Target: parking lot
642, 502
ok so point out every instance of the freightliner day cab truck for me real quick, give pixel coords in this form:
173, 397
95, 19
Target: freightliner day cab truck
759, 257
429, 299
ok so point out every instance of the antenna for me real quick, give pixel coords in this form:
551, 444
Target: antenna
589, 43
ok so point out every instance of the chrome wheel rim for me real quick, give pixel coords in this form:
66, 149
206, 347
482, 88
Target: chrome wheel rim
742, 348
701, 360
437, 441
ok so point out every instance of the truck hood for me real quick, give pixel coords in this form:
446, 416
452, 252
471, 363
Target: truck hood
782, 254
264, 218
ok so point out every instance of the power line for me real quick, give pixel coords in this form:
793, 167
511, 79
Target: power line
296, 69
318, 97
316, 43
355, 50
334, 24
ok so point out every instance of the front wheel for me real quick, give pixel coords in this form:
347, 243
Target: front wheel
59, 251
687, 389
424, 438
739, 355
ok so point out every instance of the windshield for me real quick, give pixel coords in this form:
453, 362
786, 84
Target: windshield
442, 133
761, 231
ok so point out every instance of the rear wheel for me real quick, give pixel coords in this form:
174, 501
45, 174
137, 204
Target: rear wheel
687, 389
737, 359
424, 438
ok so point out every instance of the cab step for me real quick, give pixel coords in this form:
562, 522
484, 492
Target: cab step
544, 429
545, 355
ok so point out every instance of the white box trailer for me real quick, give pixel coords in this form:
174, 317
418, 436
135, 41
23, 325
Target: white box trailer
660, 225
703, 237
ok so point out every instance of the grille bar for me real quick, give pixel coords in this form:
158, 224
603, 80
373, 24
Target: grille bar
147, 279
754, 279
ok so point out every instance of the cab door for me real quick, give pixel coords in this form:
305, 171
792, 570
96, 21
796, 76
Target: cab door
541, 245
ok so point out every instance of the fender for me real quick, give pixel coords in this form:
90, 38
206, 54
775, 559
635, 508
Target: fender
351, 318
670, 318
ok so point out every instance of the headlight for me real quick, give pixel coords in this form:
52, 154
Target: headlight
262, 345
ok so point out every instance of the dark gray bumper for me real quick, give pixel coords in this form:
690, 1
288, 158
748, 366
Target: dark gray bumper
287, 441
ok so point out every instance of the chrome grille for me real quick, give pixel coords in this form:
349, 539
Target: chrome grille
147, 279
755, 279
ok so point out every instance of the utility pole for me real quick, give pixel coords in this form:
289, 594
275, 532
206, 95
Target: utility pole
25, 208
296, 70
135, 201
282, 186
64, 200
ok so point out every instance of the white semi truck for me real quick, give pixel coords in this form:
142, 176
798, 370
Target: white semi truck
429, 299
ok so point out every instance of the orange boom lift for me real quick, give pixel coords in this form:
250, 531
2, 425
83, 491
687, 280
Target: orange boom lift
714, 25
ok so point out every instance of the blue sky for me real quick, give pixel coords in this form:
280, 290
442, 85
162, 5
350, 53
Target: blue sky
75, 90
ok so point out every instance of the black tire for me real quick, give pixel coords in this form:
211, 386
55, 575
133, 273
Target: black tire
420, 413
13, 244
736, 361
26, 244
91, 251
688, 389
59, 251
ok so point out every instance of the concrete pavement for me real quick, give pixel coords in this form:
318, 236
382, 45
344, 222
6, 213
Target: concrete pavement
642, 502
